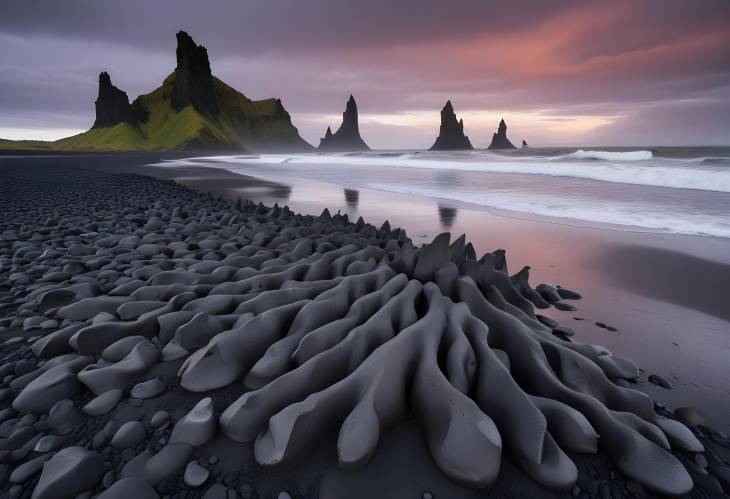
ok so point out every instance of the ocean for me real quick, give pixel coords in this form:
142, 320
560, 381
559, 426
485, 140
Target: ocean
672, 190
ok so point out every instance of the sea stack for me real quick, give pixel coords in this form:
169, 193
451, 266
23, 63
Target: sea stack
347, 137
499, 139
451, 134
193, 78
524, 144
112, 105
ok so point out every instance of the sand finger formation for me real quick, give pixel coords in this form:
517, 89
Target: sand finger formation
258, 325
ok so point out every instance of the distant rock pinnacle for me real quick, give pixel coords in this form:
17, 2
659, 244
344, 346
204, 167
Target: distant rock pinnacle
499, 139
451, 134
347, 137
112, 105
524, 144
193, 79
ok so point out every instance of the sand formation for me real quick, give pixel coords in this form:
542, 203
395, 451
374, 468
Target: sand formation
347, 137
279, 329
451, 132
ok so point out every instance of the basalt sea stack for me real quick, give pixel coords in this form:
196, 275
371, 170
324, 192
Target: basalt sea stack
451, 134
192, 110
347, 137
524, 144
193, 80
112, 105
499, 139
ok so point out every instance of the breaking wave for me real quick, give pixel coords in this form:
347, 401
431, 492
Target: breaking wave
612, 155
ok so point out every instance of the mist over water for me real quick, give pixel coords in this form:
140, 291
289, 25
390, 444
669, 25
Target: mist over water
675, 190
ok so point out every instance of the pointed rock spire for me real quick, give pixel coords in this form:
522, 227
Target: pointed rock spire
193, 79
524, 144
112, 105
451, 134
499, 139
347, 137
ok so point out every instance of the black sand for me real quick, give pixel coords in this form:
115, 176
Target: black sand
209, 262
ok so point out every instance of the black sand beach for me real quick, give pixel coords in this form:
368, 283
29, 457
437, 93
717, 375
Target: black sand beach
123, 296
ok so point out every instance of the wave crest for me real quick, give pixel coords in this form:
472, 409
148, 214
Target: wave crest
612, 155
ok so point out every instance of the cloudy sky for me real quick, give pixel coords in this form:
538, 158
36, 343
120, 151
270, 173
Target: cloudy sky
620, 72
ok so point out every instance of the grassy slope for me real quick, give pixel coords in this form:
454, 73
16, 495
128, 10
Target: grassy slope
24, 144
243, 123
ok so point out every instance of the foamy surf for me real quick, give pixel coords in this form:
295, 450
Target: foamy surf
671, 174
612, 155
630, 214
660, 193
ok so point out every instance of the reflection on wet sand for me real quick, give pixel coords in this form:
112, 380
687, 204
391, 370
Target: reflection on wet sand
447, 215
352, 197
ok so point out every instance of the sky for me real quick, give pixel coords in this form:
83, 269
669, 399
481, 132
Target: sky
560, 72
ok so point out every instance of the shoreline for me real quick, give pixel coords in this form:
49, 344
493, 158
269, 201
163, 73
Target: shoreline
508, 481
574, 256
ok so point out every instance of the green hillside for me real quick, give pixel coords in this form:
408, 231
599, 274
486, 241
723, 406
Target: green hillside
191, 110
242, 124
24, 144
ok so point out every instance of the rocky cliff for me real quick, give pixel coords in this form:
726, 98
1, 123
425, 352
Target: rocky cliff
192, 109
112, 105
193, 79
451, 134
499, 139
347, 137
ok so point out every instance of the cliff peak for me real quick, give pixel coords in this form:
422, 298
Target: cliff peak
451, 133
193, 78
347, 137
112, 105
499, 139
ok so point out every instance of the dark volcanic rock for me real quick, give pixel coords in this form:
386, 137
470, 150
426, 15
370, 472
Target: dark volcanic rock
193, 79
451, 134
499, 139
347, 137
112, 105
524, 144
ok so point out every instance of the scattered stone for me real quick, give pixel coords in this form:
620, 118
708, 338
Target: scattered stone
690, 416
195, 475
166, 463
108, 479
103, 403
197, 427
129, 435
216, 491
29, 468
49, 443
69, 472
129, 488
159, 418
246, 490
659, 381
149, 389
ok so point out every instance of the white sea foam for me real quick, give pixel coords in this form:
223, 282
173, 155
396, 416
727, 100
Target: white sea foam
612, 155
695, 213
628, 214
660, 173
